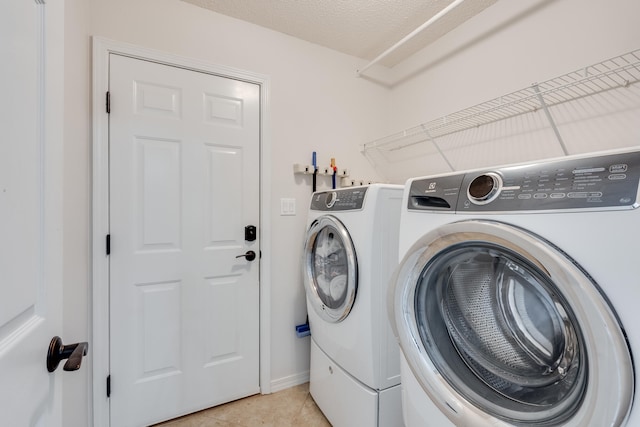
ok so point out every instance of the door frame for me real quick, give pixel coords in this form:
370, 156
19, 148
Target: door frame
99, 312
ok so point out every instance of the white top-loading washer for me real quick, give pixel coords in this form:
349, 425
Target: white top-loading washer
350, 251
516, 299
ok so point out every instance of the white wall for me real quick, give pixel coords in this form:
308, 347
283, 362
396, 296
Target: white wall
316, 103
508, 47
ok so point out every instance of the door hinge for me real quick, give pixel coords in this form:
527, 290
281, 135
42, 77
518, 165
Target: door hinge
108, 244
108, 385
108, 103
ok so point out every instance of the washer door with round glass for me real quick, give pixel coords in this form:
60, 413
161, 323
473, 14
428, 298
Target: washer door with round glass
330, 269
501, 328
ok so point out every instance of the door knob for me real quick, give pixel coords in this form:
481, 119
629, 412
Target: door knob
72, 352
250, 256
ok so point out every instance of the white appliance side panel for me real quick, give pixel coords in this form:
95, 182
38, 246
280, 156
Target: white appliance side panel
384, 262
344, 401
390, 402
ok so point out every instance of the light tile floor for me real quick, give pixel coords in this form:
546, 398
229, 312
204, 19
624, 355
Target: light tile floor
292, 407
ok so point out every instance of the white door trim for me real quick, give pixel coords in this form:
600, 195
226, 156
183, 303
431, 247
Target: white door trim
99, 313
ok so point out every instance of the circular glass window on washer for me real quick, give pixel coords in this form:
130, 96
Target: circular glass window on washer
330, 268
501, 334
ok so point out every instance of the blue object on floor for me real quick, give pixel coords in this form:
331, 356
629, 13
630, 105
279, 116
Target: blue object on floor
303, 330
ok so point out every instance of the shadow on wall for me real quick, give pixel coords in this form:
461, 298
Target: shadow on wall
477, 39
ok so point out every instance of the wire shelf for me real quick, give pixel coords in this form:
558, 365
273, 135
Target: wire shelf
554, 110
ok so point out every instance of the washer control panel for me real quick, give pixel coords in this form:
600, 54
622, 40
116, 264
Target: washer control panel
435, 194
608, 181
343, 199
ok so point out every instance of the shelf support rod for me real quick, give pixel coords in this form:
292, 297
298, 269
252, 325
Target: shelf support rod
435, 144
409, 36
543, 104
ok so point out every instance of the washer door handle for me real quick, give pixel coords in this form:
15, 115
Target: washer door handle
249, 256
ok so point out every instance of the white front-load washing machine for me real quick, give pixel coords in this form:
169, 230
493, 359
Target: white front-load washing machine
350, 251
516, 300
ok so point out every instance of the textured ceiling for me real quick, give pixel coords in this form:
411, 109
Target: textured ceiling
362, 28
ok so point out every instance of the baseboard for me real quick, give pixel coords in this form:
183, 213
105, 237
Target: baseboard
290, 381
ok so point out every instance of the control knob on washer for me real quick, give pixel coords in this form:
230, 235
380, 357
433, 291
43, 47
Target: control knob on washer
484, 188
330, 199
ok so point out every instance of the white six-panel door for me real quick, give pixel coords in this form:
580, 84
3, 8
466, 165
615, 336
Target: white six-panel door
184, 183
30, 210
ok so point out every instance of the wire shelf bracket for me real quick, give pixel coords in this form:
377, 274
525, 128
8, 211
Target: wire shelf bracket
593, 90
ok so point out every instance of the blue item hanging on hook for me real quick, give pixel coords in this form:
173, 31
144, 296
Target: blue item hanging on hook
315, 171
335, 171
